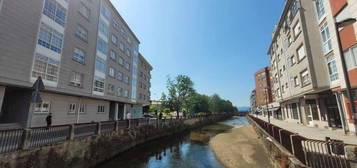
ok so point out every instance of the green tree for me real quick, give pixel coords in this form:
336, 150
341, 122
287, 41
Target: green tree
179, 92
197, 103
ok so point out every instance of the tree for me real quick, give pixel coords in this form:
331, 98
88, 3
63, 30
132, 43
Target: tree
197, 103
179, 92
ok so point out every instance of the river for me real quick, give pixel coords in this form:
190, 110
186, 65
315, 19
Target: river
187, 150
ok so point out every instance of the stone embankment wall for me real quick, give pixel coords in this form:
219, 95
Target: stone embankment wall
279, 156
90, 151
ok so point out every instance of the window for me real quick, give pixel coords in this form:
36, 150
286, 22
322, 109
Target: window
114, 39
119, 91
45, 67
43, 107
297, 30
301, 53
105, 12
78, 55
82, 108
332, 69
98, 84
127, 66
55, 11
50, 38
119, 76
326, 39
320, 8
103, 28
126, 93
305, 78
294, 110
72, 108
101, 109
121, 46
82, 33
102, 46
111, 89
126, 79
120, 61
115, 25
84, 11
113, 55
111, 72
128, 52
76, 79
296, 81
351, 58
100, 64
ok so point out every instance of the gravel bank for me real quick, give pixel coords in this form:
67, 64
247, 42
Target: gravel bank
240, 148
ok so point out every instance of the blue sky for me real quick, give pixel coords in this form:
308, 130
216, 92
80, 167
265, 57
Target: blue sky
218, 43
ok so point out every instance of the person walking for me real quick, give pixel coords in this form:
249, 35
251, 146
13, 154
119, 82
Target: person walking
49, 120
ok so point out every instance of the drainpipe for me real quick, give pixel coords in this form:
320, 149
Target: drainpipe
78, 109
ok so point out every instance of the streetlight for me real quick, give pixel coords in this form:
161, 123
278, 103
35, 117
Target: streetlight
344, 23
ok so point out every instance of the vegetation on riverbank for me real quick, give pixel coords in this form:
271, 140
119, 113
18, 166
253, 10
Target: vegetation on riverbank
181, 97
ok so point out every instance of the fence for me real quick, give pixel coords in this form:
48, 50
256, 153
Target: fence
313, 153
15, 139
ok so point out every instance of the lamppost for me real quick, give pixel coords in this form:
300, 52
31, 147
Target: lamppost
338, 25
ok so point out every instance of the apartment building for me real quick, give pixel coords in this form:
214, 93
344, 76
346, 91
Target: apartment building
263, 95
299, 68
253, 103
86, 55
329, 12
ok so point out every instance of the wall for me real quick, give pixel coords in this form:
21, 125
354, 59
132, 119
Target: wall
278, 155
60, 107
89, 151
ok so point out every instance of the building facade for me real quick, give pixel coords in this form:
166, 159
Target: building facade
85, 53
263, 95
300, 78
253, 102
306, 68
331, 11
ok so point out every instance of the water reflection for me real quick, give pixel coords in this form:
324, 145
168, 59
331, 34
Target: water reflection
187, 150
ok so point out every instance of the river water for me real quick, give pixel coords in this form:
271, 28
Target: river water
186, 150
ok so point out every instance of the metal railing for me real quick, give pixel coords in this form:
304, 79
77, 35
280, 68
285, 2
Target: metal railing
15, 139
84, 130
10, 140
41, 136
311, 152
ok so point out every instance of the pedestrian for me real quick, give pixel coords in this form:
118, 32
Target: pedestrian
49, 120
160, 116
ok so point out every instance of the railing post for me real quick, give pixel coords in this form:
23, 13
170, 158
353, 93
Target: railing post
25, 139
99, 127
71, 132
116, 126
129, 123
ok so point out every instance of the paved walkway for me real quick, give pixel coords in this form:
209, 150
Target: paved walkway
313, 133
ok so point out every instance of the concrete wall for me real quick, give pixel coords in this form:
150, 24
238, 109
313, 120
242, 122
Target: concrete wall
88, 152
278, 154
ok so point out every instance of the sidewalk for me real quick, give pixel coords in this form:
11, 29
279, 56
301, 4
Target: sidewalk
313, 133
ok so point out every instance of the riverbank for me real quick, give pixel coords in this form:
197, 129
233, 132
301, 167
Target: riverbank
240, 148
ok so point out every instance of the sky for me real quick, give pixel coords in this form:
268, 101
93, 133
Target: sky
219, 44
